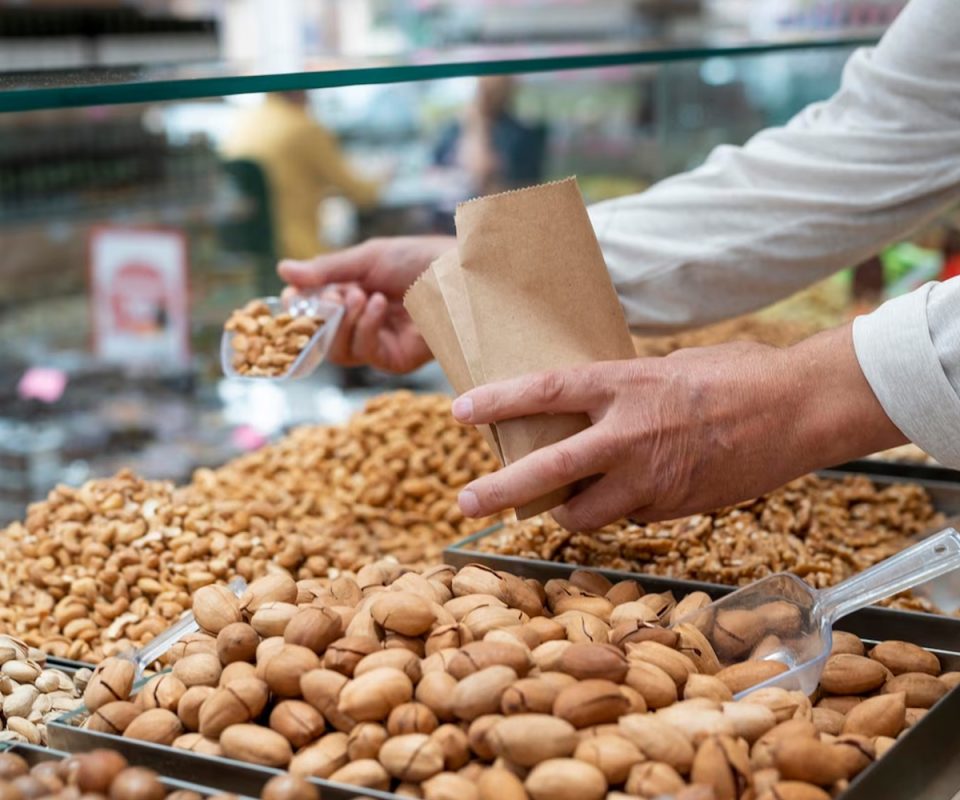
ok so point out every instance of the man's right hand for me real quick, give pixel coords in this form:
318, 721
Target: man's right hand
370, 280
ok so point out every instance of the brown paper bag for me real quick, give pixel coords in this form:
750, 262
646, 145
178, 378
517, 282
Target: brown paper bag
532, 294
425, 303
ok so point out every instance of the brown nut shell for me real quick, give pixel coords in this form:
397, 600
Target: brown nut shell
188, 709
161, 691
882, 715
215, 607
156, 725
242, 701
921, 689
900, 657
723, 763
591, 702
658, 741
411, 717
299, 722
199, 669
372, 696
475, 656
565, 779
529, 696
405, 613
652, 779
322, 758
112, 680
237, 642
282, 669
740, 677
849, 674
289, 787
256, 744
113, 717
366, 772
481, 692
435, 690
414, 757
314, 628
586, 660
365, 740
613, 755
528, 739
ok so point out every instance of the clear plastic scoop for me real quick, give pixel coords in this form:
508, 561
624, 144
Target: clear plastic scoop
155, 648
297, 305
783, 619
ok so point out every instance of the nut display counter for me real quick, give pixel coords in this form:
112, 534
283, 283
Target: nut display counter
393, 675
359, 663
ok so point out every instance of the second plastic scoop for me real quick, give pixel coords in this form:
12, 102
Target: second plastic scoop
315, 350
783, 619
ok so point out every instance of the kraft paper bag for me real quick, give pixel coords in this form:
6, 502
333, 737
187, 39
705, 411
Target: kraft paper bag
425, 303
527, 291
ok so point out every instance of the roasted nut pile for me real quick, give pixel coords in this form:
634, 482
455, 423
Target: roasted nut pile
265, 345
479, 685
106, 774
823, 530
98, 569
31, 694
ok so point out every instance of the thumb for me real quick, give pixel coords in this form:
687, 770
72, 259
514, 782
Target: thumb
345, 266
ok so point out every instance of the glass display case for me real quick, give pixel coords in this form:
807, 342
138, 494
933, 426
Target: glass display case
117, 188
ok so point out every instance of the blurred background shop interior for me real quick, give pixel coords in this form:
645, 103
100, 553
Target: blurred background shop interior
142, 196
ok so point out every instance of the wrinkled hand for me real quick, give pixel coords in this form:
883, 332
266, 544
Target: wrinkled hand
370, 280
694, 431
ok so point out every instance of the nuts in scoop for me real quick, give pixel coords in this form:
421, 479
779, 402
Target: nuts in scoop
264, 344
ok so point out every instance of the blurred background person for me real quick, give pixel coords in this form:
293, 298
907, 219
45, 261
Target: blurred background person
490, 144
302, 163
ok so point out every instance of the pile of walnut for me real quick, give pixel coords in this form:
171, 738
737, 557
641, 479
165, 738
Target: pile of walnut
823, 530
31, 694
95, 570
106, 774
264, 345
479, 685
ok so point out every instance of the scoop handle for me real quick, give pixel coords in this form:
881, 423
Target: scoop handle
155, 648
924, 561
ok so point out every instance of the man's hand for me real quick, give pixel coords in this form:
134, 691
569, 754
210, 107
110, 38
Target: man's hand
370, 280
691, 432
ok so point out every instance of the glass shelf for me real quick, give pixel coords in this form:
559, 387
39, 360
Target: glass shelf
30, 91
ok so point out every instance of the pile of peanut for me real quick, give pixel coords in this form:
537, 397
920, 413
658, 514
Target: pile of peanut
264, 345
102, 774
479, 685
98, 569
821, 529
31, 694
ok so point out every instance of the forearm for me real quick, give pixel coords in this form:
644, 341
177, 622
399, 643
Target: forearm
795, 204
836, 414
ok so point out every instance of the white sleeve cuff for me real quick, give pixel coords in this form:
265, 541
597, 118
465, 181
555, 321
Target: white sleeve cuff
900, 362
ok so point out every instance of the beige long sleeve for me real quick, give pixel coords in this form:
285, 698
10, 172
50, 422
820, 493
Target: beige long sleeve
797, 203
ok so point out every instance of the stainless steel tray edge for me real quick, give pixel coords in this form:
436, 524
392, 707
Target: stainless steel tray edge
223, 774
34, 754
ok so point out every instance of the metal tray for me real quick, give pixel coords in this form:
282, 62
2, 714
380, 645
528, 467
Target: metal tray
68, 665
944, 591
223, 774
34, 754
902, 470
923, 765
